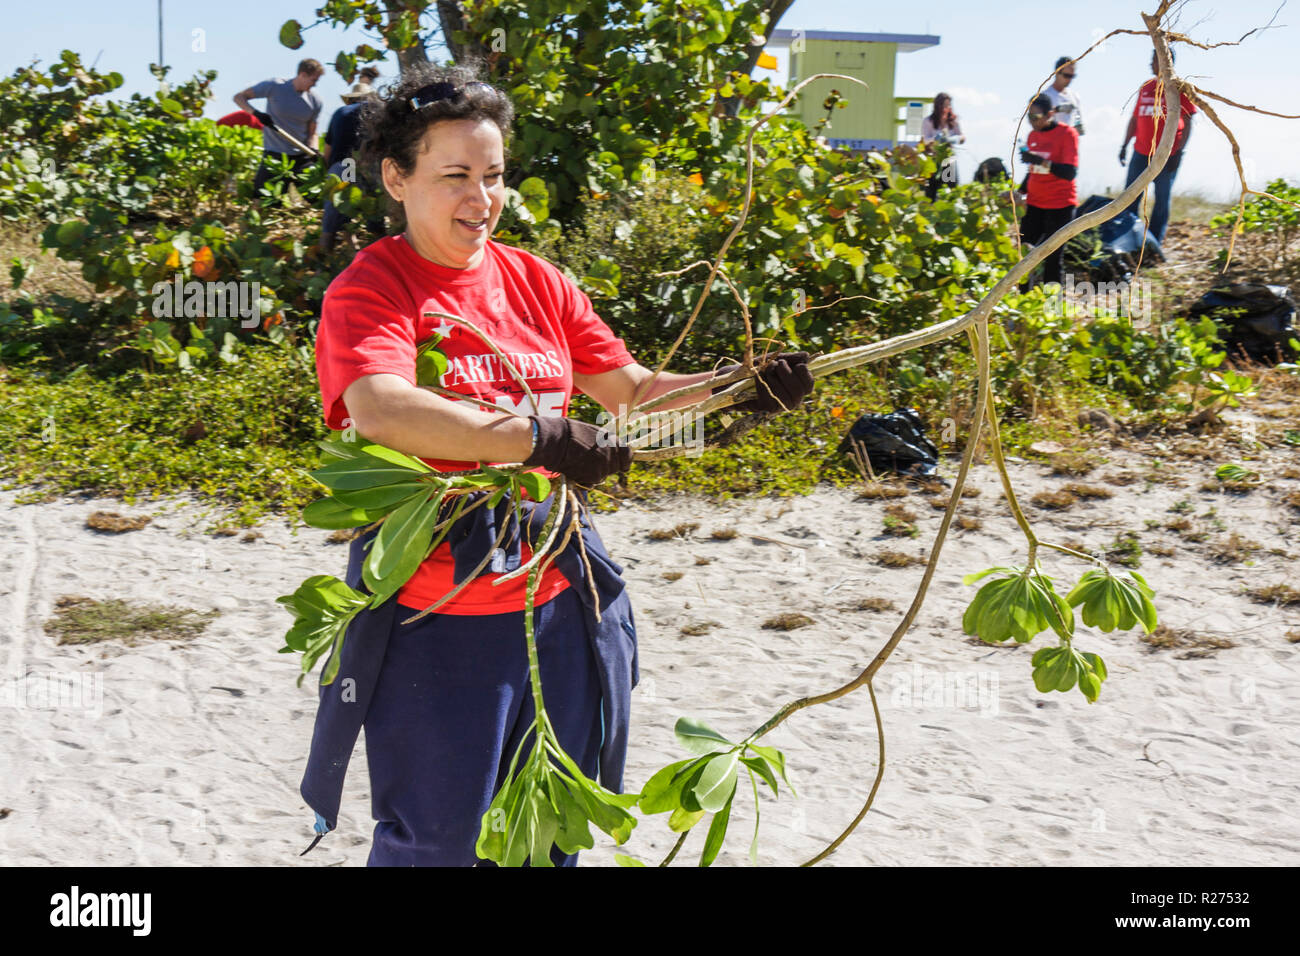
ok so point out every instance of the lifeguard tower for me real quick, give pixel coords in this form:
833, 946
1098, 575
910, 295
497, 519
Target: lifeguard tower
875, 119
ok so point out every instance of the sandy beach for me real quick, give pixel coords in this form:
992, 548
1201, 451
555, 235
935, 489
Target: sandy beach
190, 752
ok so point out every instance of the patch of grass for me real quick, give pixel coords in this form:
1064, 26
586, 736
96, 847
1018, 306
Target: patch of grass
343, 535
1166, 638
879, 489
1125, 550
1073, 462
788, 621
897, 559
1080, 490
1182, 507
225, 532
1121, 479
114, 523
723, 534
873, 604
701, 627
1292, 499
700, 560
1054, 500
969, 523
1234, 549
1293, 636
125, 437
1281, 594
1161, 550
673, 575
899, 528
901, 512
675, 532
84, 620
1179, 525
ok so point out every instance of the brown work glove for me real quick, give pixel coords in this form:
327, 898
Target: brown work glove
788, 382
580, 452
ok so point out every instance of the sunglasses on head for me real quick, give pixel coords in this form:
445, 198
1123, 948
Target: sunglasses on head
442, 90
1068, 76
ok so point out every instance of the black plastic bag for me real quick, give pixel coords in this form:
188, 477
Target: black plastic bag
894, 443
1254, 319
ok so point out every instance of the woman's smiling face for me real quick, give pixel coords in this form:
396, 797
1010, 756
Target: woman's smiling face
454, 197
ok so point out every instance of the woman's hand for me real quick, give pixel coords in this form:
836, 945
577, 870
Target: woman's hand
580, 452
783, 383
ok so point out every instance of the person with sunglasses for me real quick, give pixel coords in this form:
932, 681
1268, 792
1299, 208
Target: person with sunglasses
1065, 102
445, 701
1052, 153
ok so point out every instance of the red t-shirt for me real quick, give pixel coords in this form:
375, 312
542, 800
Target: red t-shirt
1147, 121
1060, 144
374, 316
240, 118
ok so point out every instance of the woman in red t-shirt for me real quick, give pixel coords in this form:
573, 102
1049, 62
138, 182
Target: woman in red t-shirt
451, 699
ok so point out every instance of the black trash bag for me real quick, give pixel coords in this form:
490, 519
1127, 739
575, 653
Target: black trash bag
894, 443
1255, 319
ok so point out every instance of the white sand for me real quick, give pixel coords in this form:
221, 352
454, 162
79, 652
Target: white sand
195, 752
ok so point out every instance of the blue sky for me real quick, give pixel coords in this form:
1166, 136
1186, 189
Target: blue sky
990, 58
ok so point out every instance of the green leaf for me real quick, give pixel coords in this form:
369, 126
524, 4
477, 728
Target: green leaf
291, 34
383, 498
536, 198
430, 367
759, 766
537, 485
718, 829
663, 791
622, 859
330, 514
1112, 603
363, 471
699, 738
775, 759
717, 782
401, 545
683, 819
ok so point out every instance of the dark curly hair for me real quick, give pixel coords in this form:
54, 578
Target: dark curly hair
391, 128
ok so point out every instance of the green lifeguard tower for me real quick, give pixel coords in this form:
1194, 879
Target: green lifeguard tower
877, 119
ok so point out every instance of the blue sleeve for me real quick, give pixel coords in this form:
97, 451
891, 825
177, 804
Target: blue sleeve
263, 89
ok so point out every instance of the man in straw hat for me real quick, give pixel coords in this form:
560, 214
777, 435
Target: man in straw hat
341, 142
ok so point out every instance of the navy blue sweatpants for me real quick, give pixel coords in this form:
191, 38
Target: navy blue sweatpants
451, 706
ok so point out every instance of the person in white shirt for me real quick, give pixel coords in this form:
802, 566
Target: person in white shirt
1065, 102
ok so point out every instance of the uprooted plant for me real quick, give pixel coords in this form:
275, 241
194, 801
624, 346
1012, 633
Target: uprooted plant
547, 800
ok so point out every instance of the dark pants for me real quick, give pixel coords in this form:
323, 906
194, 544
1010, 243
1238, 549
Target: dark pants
270, 160
1037, 225
451, 706
1164, 182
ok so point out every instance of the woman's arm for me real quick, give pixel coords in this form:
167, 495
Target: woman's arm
614, 390
391, 411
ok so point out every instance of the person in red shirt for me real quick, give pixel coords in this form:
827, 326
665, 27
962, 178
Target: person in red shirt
451, 699
1145, 126
1052, 153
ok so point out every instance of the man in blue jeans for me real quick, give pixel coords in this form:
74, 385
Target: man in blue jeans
1145, 125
